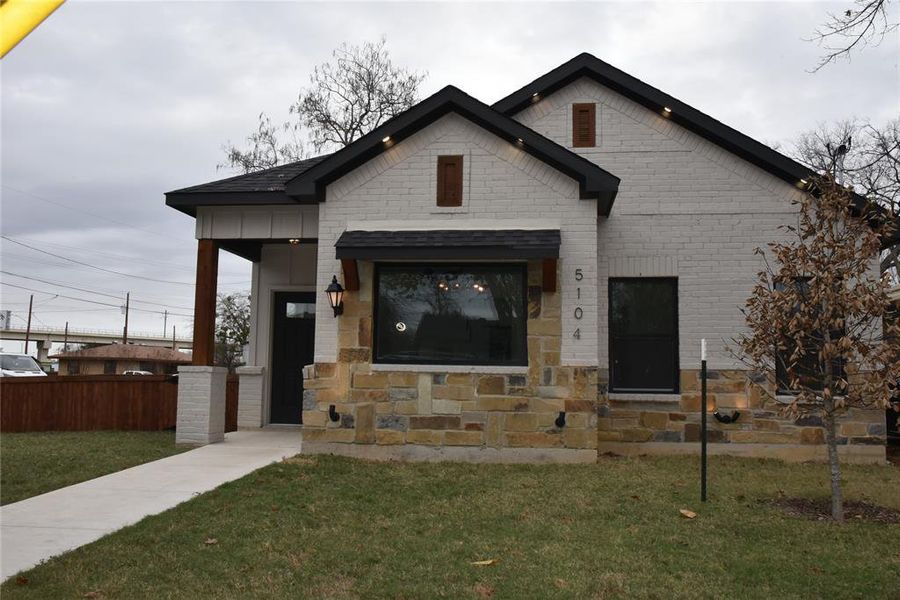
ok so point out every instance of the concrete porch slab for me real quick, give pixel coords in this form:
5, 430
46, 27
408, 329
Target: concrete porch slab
39, 528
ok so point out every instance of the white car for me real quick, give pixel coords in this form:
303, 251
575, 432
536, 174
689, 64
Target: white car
19, 365
136, 372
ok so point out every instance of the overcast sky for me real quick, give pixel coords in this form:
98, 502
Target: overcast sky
106, 106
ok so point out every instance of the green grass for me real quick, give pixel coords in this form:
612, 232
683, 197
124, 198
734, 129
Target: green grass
328, 527
35, 463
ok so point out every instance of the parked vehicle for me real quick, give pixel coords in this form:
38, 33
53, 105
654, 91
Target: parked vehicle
136, 372
19, 365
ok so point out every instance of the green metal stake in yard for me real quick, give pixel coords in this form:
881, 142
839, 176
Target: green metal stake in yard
703, 420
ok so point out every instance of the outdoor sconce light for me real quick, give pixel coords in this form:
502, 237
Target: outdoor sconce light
335, 294
732, 418
333, 414
561, 419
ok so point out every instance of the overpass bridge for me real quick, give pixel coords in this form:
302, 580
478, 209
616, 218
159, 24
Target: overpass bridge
44, 336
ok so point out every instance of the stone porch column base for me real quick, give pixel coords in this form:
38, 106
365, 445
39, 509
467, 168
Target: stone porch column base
201, 405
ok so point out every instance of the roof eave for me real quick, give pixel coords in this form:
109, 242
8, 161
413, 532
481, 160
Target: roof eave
594, 181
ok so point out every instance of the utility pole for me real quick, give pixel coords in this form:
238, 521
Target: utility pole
173, 338
165, 320
66, 338
28, 326
125, 333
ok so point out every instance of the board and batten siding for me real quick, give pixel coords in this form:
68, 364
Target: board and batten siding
686, 208
503, 188
276, 222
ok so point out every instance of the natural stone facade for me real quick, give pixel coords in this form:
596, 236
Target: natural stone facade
509, 408
675, 419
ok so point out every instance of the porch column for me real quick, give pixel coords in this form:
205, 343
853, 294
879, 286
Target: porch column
201, 386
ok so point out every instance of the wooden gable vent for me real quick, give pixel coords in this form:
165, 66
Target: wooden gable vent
584, 119
450, 180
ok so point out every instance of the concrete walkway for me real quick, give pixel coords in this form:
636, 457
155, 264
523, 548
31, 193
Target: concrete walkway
47, 525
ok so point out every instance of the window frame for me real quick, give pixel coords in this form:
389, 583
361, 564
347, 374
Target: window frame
109, 367
676, 374
376, 283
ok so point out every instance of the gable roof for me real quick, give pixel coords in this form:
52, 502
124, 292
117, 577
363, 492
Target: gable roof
588, 65
594, 181
136, 352
264, 187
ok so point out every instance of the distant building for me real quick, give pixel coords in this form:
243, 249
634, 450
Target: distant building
115, 359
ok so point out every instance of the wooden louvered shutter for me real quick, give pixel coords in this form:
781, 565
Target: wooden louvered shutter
584, 125
449, 180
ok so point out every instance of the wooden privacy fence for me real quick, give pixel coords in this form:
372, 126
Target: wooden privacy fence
97, 402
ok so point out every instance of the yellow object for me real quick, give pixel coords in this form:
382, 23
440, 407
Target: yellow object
19, 17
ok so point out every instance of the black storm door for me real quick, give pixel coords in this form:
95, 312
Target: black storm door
293, 333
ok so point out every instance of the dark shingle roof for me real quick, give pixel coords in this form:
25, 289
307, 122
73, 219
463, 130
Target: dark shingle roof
449, 243
267, 180
594, 182
264, 187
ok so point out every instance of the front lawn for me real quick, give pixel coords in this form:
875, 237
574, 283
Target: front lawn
329, 527
35, 463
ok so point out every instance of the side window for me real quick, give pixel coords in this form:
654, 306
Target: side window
807, 371
109, 367
584, 125
450, 180
643, 335
73, 367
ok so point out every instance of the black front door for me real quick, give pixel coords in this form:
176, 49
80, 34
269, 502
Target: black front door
293, 331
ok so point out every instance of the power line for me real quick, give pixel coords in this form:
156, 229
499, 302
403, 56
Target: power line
52, 264
77, 262
99, 293
85, 212
156, 312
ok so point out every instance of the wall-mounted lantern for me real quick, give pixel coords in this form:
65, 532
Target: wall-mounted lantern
335, 293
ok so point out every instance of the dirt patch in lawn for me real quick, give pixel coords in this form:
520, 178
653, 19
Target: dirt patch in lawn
820, 510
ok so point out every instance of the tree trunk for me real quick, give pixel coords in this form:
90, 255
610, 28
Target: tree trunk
837, 500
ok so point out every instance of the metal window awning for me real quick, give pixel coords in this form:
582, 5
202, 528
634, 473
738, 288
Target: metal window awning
450, 244
440, 244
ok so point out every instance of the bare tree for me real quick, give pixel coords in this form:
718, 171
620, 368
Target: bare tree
866, 23
816, 318
357, 91
265, 148
354, 94
863, 156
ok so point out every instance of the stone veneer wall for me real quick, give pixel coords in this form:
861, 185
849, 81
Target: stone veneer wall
484, 409
624, 419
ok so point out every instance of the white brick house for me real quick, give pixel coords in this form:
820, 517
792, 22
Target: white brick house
524, 281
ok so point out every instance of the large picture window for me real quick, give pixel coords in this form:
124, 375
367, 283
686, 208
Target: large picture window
450, 314
643, 335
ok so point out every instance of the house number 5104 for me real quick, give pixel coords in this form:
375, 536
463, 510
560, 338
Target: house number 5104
579, 312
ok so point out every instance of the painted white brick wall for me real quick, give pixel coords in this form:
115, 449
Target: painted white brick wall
252, 383
201, 405
685, 208
504, 188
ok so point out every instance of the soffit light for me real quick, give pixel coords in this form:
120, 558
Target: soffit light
294, 241
386, 139
667, 110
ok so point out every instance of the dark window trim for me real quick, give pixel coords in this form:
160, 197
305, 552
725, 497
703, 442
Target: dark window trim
677, 370
523, 267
